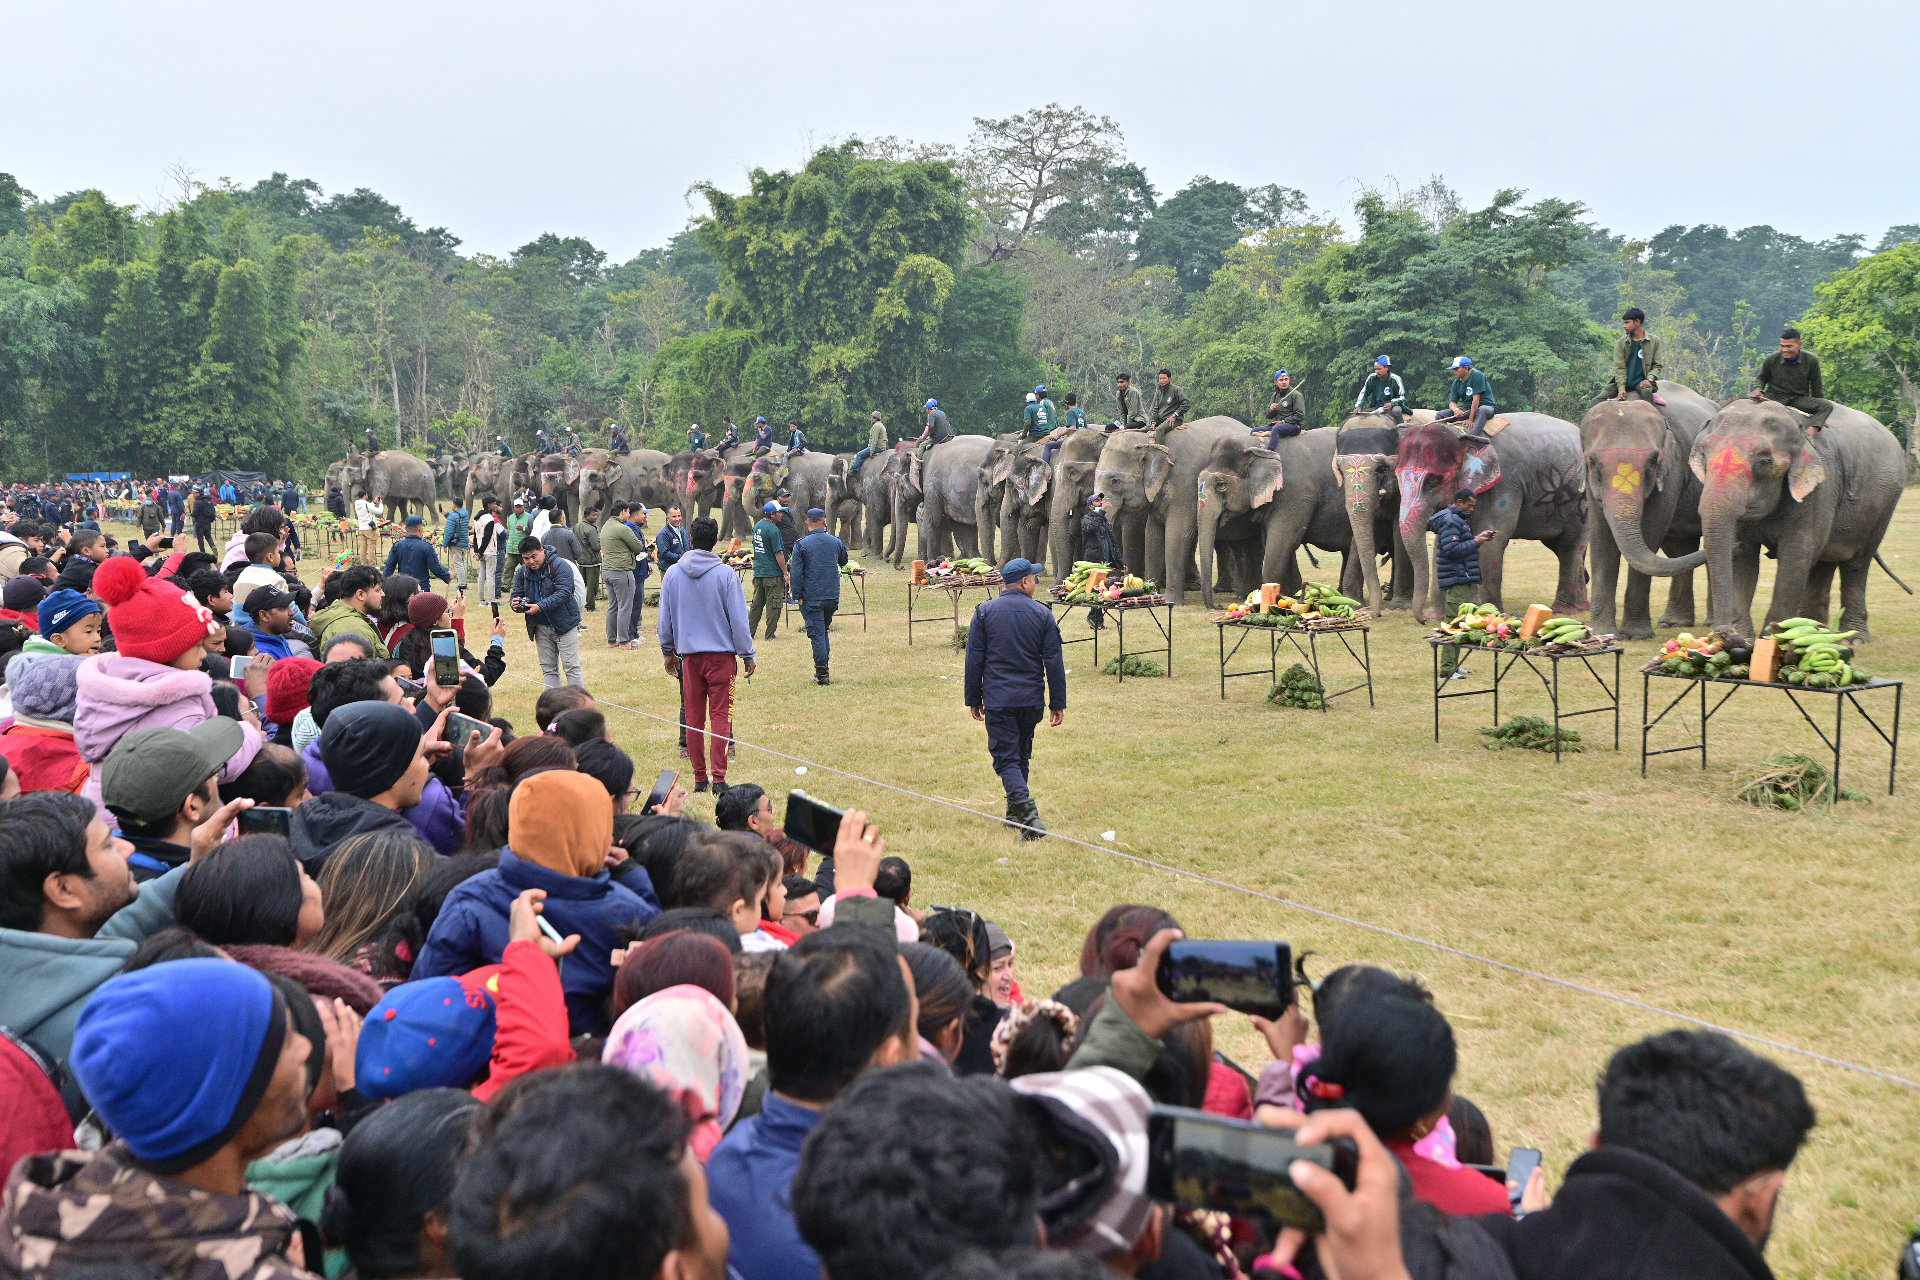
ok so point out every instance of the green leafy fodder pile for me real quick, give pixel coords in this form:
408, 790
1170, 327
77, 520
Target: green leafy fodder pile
1529, 733
1792, 781
1133, 665
1297, 688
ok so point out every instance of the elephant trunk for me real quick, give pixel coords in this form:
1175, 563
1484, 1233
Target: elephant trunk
1720, 510
1360, 517
1624, 513
986, 517
1413, 532
1207, 528
1061, 543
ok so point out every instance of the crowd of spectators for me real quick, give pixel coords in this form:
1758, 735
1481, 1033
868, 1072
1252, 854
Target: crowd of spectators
296, 981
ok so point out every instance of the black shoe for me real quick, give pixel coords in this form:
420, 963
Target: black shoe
820, 676
699, 787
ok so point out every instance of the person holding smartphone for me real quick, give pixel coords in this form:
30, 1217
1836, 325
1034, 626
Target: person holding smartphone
1014, 670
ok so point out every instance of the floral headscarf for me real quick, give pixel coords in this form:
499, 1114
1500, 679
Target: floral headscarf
683, 1041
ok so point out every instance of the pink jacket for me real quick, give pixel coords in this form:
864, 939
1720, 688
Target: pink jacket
115, 695
235, 552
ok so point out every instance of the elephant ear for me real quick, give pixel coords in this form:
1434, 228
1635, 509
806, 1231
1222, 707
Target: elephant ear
1697, 458
1480, 469
1039, 480
1265, 477
1154, 467
1806, 473
1001, 469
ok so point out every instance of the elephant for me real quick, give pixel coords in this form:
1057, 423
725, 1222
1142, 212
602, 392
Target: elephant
1819, 503
1270, 501
1364, 448
902, 502
1023, 512
808, 478
1066, 492
1153, 492
640, 476
450, 475
393, 477
1641, 494
945, 502
1531, 484
993, 487
488, 476
846, 509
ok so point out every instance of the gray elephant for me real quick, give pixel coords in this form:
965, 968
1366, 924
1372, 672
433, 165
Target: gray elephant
1023, 502
1271, 501
1153, 492
874, 486
1066, 491
1819, 503
1530, 480
808, 479
640, 476
393, 477
993, 486
1641, 494
488, 476
944, 504
450, 475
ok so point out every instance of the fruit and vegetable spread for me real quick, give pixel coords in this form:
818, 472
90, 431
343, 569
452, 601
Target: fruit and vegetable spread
1484, 625
1267, 608
1808, 654
1092, 583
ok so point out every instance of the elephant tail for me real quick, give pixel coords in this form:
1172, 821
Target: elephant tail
1881, 561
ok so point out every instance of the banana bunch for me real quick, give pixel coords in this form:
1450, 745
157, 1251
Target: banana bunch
973, 565
1819, 657
1561, 631
1327, 602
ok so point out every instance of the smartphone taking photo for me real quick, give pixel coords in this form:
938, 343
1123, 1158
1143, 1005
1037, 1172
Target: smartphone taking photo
446, 658
237, 667
265, 820
662, 788
1201, 1161
812, 823
1520, 1168
1249, 977
459, 727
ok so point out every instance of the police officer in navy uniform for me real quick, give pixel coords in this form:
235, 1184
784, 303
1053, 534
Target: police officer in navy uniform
1015, 676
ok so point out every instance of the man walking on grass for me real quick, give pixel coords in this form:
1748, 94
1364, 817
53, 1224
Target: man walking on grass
816, 585
1014, 669
704, 639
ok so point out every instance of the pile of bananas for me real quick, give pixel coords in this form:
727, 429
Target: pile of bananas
1483, 625
1077, 588
1712, 656
1313, 603
971, 567
1561, 631
1815, 657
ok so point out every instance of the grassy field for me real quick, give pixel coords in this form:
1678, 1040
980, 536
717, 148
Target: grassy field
1667, 890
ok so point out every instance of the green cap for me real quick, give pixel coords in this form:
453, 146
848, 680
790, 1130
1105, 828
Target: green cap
150, 773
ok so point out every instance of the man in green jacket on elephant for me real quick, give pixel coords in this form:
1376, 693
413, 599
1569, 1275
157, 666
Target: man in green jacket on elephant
1469, 398
1132, 405
1383, 392
1287, 412
1170, 406
1636, 361
1791, 376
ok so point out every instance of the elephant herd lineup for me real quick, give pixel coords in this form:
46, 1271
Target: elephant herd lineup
1666, 488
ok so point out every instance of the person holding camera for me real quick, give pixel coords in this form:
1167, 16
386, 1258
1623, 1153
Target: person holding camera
547, 589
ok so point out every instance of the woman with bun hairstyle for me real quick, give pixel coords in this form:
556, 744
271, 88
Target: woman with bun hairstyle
154, 680
388, 1204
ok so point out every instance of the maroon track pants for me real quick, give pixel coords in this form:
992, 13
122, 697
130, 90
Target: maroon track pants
707, 707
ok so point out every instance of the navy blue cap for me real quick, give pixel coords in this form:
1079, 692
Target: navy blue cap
769, 508
413, 521
1018, 569
816, 513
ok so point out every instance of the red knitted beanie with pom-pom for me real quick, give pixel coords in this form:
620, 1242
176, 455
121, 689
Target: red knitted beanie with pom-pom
151, 617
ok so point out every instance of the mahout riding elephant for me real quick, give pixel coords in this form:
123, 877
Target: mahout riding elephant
639, 476
1530, 481
1066, 492
394, 478
1153, 492
1641, 494
1818, 503
1271, 501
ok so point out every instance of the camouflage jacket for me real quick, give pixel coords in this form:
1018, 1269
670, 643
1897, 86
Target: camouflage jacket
72, 1209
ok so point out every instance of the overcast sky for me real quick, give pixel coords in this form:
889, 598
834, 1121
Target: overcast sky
503, 120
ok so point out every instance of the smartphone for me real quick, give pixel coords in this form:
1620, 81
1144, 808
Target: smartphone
412, 688
495, 606
1201, 1161
237, 667
265, 820
663, 787
1520, 1167
459, 727
446, 658
1251, 977
813, 824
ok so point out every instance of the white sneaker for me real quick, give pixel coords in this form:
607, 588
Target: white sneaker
1459, 673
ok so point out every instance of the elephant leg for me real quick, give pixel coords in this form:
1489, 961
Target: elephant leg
1493, 564
1179, 537
1570, 596
1792, 574
1159, 555
1639, 608
1746, 583
1817, 599
1352, 580
1603, 554
1853, 595
1401, 594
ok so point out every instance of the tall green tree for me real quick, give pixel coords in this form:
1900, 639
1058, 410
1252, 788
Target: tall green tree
1865, 322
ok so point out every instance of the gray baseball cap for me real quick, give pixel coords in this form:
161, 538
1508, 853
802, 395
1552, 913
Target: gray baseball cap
150, 773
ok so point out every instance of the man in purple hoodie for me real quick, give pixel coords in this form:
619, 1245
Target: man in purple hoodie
703, 637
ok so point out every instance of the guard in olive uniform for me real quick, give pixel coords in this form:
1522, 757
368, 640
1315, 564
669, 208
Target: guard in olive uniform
1133, 406
1791, 376
1169, 406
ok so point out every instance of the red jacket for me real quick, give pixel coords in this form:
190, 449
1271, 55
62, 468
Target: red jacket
1451, 1190
36, 1121
31, 620
531, 1029
45, 759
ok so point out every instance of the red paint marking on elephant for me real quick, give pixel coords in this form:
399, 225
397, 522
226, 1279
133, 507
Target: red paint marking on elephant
1730, 464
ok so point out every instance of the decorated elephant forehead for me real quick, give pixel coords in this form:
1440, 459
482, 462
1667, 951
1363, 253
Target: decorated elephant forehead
1431, 448
1618, 423
1367, 441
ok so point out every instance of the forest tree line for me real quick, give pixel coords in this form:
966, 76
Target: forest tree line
266, 326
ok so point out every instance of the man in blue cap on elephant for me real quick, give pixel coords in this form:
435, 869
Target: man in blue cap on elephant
1287, 413
937, 431
1382, 392
1469, 399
